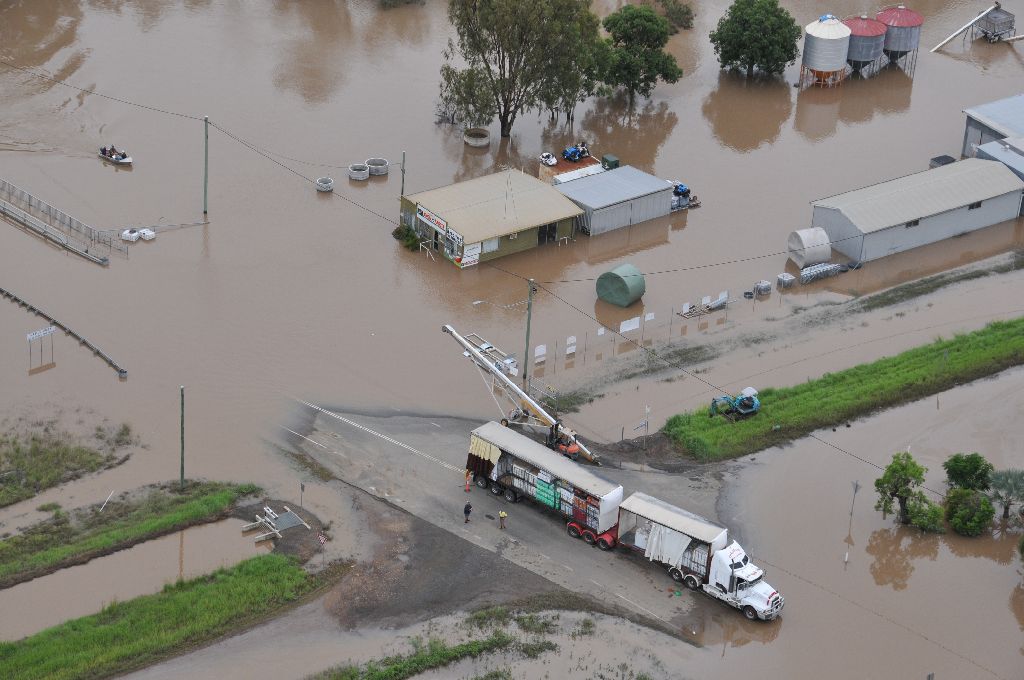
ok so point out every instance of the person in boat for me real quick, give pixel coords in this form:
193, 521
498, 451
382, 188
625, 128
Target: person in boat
113, 151
103, 150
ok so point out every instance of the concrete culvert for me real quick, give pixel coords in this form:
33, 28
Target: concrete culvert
477, 137
324, 184
359, 171
809, 246
622, 286
378, 166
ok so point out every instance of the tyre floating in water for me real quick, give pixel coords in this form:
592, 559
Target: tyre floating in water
358, 171
377, 166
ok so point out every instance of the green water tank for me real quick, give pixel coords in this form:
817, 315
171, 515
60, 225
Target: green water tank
609, 162
622, 286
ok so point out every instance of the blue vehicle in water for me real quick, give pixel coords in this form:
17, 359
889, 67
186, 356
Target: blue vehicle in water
576, 153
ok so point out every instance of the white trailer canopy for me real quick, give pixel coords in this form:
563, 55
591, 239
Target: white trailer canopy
677, 519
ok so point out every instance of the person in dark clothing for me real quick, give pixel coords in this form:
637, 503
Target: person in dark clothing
466, 510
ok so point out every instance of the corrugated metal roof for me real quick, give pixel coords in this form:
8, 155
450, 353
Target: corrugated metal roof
862, 26
535, 453
611, 187
900, 17
496, 205
672, 517
1005, 116
1009, 152
922, 194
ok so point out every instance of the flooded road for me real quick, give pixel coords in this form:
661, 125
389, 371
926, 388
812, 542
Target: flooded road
287, 292
140, 570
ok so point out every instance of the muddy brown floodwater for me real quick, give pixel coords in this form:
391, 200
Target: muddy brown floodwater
287, 292
139, 570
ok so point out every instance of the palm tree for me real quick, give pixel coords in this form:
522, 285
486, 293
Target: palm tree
1007, 487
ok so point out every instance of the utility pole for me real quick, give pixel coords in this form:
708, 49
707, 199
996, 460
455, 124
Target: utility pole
403, 174
206, 160
526, 354
182, 437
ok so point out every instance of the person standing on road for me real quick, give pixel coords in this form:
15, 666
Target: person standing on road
501, 519
466, 510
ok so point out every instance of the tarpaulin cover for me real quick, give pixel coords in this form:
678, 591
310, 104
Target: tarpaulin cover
666, 545
622, 286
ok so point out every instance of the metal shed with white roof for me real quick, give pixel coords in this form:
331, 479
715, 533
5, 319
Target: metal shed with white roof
995, 120
915, 210
618, 198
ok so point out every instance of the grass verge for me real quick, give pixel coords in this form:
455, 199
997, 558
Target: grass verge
32, 462
129, 635
792, 412
68, 539
435, 654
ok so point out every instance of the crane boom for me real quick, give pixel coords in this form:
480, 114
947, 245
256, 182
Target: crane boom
528, 403
965, 27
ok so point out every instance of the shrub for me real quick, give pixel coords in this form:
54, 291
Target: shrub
968, 511
926, 515
408, 236
968, 471
678, 14
1020, 547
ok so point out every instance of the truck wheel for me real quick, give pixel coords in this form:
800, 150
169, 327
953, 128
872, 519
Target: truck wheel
676, 575
481, 481
604, 544
589, 538
497, 489
691, 582
750, 613
573, 530
511, 496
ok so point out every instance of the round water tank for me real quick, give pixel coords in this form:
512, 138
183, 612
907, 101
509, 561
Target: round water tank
621, 286
825, 45
903, 30
809, 246
867, 37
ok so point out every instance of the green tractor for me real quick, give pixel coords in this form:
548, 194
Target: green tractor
746, 404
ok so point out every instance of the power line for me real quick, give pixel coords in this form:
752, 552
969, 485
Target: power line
42, 76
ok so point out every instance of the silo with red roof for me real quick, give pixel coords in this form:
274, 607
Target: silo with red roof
902, 33
867, 39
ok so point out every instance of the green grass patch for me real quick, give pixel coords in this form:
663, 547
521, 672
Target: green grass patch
33, 462
132, 634
535, 648
435, 654
531, 623
491, 616
497, 674
568, 402
67, 539
792, 412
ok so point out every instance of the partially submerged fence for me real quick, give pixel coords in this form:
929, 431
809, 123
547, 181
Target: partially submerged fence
91, 239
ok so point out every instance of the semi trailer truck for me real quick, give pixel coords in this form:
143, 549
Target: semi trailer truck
696, 552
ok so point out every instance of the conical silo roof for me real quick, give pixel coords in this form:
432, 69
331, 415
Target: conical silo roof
900, 17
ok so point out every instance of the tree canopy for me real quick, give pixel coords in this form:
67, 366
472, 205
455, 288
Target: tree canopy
756, 34
900, 482
1006, 487
518, 55
968, 471
968, 511
637, 59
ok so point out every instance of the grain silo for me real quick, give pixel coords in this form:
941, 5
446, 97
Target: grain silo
867, 39
826, 42
902, 34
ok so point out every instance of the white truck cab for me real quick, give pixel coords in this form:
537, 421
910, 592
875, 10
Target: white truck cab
739, 582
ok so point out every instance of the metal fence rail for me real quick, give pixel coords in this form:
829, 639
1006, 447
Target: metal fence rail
59, 219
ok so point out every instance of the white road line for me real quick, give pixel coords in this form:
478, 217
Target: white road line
436, 425
566, 566
640, 607
544, 556
596, 583
304, 437
386, 438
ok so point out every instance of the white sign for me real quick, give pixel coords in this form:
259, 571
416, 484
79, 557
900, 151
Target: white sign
630, 325
649, 316
540, 353
570, 344
470, 255
431, 219
600, 331
35, 335
455, 236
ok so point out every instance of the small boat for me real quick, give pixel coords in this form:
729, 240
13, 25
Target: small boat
119, 158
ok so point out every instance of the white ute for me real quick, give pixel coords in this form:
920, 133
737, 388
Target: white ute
698, 554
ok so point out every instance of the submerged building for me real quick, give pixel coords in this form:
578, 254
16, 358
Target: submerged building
618, 198
929, 206
488, 217
993, 121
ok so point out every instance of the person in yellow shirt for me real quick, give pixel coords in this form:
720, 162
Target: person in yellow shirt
501, 519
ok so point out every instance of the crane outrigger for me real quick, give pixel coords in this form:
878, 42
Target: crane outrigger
527, 411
